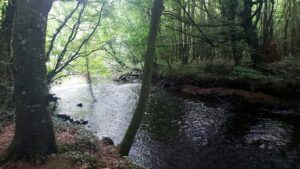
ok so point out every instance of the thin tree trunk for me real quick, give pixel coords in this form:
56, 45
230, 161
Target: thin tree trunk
193, 47
293, 27
286, 29
143, 99
295, 40
89, 79
34, 134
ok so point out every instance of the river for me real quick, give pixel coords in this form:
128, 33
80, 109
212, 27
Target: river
185, 132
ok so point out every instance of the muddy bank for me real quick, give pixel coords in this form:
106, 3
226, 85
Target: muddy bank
277, 94
274, 94
278, 88
251, 97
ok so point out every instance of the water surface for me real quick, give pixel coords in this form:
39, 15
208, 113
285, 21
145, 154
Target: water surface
183, 132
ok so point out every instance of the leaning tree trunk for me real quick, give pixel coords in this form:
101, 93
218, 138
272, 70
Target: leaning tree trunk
89, 78
149, 61
34, 134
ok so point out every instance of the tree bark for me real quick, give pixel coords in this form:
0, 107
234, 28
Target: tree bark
230, 10
294, 29
89, 78
251, 33
143, 99
287, 7
5, 53
34, 134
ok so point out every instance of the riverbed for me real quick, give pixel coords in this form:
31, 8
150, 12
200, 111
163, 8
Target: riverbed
184, 132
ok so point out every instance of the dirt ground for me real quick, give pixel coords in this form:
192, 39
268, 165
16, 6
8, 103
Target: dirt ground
78, 149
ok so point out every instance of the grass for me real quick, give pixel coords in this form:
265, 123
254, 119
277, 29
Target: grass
287, 69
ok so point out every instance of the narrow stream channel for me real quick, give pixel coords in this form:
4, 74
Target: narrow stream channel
183, 132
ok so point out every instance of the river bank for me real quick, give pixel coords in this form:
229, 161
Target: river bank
277, 92
78, 149
279, 87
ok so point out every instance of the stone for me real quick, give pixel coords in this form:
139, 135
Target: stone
84, 122
64, 117
107, 141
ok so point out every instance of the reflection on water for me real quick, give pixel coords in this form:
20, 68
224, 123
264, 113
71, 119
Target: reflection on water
184, 133
112, 112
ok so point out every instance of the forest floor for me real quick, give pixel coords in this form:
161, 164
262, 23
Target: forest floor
78, 149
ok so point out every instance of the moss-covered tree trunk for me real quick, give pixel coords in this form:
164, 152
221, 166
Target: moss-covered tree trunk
230, 10
5, 54
34, 134
251, 33
143, 99
295, 40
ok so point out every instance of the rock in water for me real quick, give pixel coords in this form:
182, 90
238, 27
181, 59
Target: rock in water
108, 141
79, 105
77, 122
84, 122
64, 117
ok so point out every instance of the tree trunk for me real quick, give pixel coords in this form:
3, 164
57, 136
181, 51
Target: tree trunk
5, 53
143, 99
193, 45
287, 8
268, 24
294, 29
89, 78
230, 10
251, 33
34, 134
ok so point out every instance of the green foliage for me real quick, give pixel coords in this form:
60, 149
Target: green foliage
96, 65
179, 69
217, 69
211, 35
248, 73
78, 38
119, 42
3, 4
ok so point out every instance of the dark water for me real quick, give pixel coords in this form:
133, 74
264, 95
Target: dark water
181, 132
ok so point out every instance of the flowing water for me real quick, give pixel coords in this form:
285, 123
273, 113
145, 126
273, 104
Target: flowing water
184, 132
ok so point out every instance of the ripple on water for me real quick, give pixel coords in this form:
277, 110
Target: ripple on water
113, 109
268, 133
